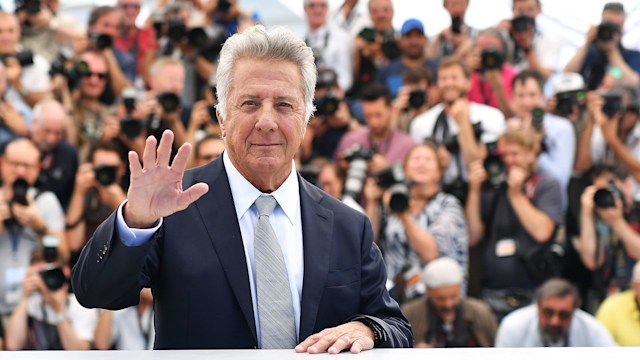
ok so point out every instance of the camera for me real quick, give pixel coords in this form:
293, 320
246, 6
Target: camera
77, 71
492, 59
131, 127
357, 156
59, 64
129, 97
157, 20
456, 25
495, 167
223, 6
327, 105
606, 198
169, 101
537, 119
612, 104
211, 108
566, 101
368, 34
24, 57
20, 188
522, 23
417, 98
392, 179
50, 245
390, 47
176, 28
100, 41
30, 6
606, 31
53, 277
451, 142
105, 174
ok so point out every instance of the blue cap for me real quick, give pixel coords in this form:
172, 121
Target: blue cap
411, 24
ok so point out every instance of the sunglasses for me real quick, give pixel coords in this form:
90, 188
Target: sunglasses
100, 75
563, 315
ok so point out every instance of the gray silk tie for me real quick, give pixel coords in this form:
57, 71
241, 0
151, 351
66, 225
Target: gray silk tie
275, 311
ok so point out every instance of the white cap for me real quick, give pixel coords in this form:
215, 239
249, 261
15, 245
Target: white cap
442, 272
566, 82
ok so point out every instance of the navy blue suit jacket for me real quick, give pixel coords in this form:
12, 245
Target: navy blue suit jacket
196, 268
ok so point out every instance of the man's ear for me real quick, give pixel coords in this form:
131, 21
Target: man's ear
221, 123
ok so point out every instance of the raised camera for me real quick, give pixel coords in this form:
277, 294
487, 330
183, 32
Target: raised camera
417, 98
169, 101
131, 127
522, 24
456, 25
30, 6
606, 31
105, 174
392, 179
100, 41
176, 29
492, 59
612, 104
537, 118
53, 277
495, 167
606, 198
357, 156
368, 34
25, 57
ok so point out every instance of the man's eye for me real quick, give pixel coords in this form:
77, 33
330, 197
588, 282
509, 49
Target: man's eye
285, 105
249, 103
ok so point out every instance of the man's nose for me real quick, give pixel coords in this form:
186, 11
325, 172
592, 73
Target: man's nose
266, 119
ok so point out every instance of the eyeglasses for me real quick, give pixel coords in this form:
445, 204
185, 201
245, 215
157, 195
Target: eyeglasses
100, 75
563, 315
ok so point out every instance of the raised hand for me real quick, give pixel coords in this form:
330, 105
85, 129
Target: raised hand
156, 187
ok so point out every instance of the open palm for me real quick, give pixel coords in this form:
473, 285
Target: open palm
156, 187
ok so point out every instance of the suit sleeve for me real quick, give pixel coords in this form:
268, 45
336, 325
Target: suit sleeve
109, 274
376, 304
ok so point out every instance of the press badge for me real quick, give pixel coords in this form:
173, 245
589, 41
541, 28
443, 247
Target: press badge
13, 285
505, 247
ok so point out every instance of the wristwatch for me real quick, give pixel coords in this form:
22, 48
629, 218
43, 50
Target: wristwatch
59, 317
379, 334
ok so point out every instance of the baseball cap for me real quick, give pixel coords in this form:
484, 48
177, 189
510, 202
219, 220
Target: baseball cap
566, 82
411, 24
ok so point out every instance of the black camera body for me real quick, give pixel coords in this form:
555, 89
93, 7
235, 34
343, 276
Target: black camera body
53, 277
357, 156
451, 142
606, 198
492, 59
327, 105
612, 104
368, 34
223, 6
522, 24
105, 174
100, 41
24, 57
495, 167
170, 102
417, 98
606, 31
392, 179
566, 101
30, 6
537, 119
20, 188
131, 127
456, 25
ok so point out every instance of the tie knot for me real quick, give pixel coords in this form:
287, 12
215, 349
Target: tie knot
265, 204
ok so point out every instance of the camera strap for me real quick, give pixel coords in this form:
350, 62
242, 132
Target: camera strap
441, 132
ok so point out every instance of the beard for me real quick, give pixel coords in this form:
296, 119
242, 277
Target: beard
553, 334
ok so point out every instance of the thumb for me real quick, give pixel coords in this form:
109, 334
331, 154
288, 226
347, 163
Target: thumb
192, 194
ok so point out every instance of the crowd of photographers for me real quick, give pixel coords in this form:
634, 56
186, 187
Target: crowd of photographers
502, 185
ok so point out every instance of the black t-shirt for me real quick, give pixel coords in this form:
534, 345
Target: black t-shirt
507, 239
58, 173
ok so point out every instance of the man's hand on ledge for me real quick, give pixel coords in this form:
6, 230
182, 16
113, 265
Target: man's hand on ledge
354, 336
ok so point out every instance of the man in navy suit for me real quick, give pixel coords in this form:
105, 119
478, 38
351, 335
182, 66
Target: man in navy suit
190, 235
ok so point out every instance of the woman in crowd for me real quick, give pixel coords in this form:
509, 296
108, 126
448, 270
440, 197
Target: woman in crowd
431, 226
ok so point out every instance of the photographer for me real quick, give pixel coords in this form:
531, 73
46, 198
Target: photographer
135, 43
15, 114
415, 97
514, 221
555, 135
423, 222
608, 243
491, 78
375, 47
611, 132
603, 49
97, 193
48, 316
457, 126
386, 142
458, 37
534, 50
26, 216
332, 46
27, 73
331, 120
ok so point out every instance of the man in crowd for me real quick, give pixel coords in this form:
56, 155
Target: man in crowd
514, 217
332, 46
412, 43
457, 38
27, 215
452, 123
265, 83
59, 161
554, 320
28, 80
134, 42
556, 135
603, 50
388, 144
207, 149
444, 318
619, 313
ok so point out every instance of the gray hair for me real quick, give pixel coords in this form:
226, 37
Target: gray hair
43, 107
257, 43
560, 288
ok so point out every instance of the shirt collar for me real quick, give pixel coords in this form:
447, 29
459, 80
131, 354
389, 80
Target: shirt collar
245, 194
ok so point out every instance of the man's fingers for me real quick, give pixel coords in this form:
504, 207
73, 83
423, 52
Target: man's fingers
193, 193
321, 345
134, 163
342, 343
361, 344
180, 161
303, 346
164, 149
149, 154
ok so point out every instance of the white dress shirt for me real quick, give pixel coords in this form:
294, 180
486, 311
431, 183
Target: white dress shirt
286, 222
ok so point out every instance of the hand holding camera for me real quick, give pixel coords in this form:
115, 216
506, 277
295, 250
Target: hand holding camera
516, 178
27, 215
477, 175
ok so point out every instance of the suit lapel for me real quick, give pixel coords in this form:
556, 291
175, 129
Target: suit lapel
217, 209
317, 225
